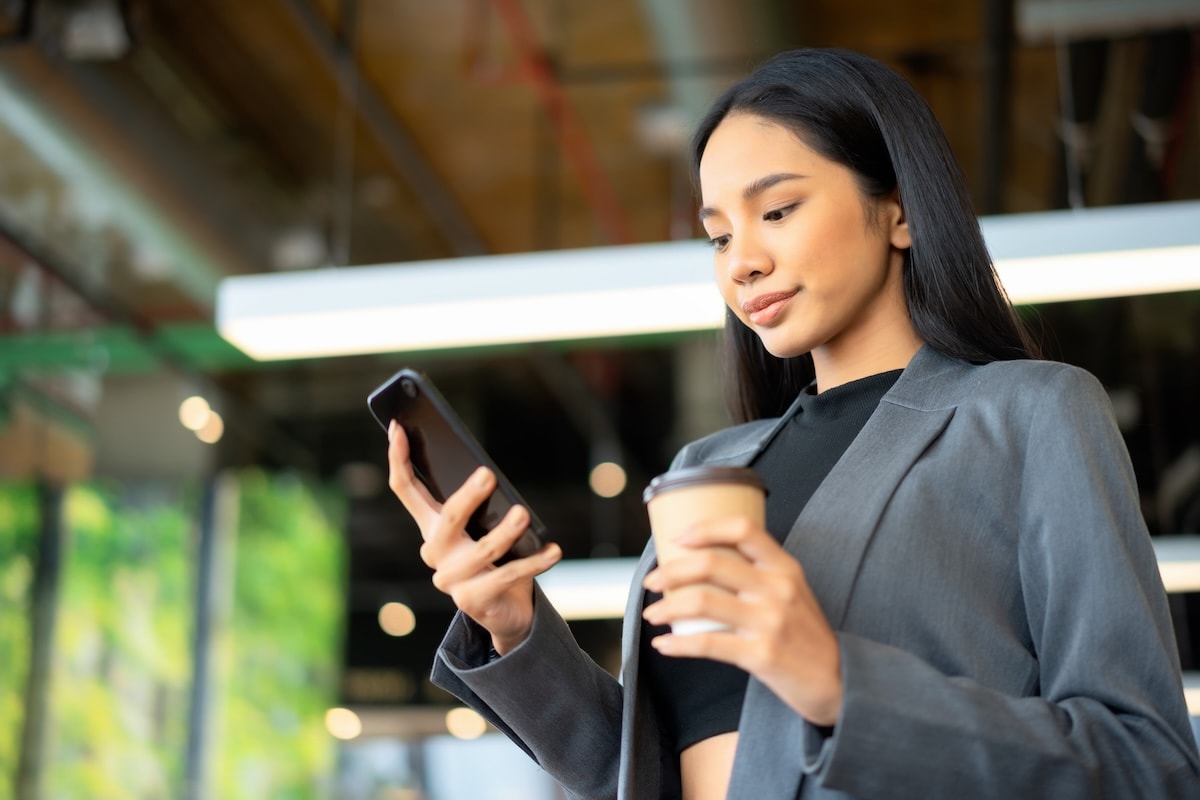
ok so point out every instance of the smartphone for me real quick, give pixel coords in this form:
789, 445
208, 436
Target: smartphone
444, 454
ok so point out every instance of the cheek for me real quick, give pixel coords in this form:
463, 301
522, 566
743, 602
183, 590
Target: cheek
728, 290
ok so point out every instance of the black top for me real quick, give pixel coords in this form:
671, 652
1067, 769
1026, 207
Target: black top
696, 697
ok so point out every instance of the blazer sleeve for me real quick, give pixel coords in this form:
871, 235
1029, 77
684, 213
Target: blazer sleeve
547, 695
1108, 719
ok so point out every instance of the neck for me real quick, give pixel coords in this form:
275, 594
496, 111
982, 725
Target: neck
834, 369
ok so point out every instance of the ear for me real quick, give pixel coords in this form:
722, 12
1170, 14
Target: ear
898, 233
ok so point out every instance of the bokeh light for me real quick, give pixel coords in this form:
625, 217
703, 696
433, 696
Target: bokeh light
194, 412
343, 723
213, 430
397, 619
607, 479
465, 723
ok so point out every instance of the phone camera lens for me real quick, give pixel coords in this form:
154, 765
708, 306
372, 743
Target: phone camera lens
408, 387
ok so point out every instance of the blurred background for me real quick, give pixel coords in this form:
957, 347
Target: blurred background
206, 590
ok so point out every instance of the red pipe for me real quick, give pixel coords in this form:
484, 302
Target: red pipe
1183, 112
570, 131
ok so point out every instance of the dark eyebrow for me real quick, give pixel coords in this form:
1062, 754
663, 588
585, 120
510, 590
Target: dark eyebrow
755, 188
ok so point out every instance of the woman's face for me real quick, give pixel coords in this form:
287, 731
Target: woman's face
802, 258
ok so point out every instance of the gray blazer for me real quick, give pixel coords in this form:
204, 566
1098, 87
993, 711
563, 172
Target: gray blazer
1004, 633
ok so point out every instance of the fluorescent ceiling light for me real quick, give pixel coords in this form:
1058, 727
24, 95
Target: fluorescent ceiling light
1179, 562
598, 588
658, 288
1191, 693
594, 588
1115, 251
505, 299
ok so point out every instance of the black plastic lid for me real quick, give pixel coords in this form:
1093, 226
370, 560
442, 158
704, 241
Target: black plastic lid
698, 476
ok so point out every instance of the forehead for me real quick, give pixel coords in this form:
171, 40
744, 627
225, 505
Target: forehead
744, 147
747, 138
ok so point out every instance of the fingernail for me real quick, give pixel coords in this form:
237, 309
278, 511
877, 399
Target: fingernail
392, 430
481, 476
662, 644
651, 581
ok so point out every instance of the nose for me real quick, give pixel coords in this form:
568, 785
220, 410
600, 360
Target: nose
747, 259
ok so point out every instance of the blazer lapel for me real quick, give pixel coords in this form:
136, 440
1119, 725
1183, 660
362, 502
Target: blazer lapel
839, 520
833, 530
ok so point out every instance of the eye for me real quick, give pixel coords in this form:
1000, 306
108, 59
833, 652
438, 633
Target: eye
776, 214
719, 243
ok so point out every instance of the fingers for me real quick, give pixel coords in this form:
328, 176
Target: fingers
718, 645
741, 533
777, 629
476, 596
446, 521
460, 558
403, 481
720, 566
694, 602
734, 553
466, 499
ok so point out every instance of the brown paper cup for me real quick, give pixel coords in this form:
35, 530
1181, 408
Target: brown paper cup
678, 499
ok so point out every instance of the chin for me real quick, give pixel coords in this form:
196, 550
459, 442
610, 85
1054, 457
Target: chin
784, 349
784, 352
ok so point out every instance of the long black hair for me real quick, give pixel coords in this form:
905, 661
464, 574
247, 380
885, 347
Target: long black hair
853, 110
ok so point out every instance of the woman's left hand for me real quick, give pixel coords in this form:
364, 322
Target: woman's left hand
778, 632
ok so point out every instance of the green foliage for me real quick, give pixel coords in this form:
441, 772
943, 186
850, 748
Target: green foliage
122, 655
121, 669
19, 523
281, 656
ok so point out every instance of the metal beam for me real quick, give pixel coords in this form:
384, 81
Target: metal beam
997, 103
1049, 20
56, 142
441, 206
43, 616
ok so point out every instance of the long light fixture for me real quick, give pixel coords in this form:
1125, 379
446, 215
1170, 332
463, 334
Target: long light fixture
598, 588
1179, 562
590, 588
658, 288
1116, 251
472, 301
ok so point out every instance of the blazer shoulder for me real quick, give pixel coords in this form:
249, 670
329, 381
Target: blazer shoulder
728, 444
937, 381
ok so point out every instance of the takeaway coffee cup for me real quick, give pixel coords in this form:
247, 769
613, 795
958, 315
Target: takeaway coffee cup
680, 498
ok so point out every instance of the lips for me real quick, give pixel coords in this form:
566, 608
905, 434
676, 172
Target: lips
764, 308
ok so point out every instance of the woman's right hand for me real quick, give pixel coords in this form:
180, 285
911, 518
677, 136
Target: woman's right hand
498, 598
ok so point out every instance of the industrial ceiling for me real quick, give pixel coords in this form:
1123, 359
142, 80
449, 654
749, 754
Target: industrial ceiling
149, 148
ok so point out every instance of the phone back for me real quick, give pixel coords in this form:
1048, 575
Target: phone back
444, 453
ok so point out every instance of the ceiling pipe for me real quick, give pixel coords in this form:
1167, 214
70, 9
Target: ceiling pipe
1183, 112
441, 206
1156, 119
725, 35
1082, 67
730, 38
568, 128
997, 107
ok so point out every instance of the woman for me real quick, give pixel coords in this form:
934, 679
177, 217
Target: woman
954, 594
